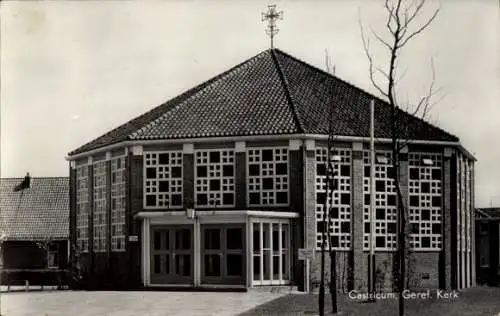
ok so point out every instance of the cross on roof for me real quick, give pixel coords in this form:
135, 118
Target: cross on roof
272, 15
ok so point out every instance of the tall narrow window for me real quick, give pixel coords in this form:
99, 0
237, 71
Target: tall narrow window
82, 208
100, 207
340, 209
385, 202
118, 198
267, 170
163, 179
270, 253
214, 178
425, 200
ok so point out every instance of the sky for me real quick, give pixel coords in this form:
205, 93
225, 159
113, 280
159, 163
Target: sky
73, 70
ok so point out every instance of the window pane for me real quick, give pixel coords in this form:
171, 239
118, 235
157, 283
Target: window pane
228, 199
266, 234
234, 238
157, 264
212, 265
281, 168
183, 265
284, 236
276, 241
183, 239
157, 240
234, 265
284, 265
227, 171
256, 237
267, 267
167, 264
276, 267
282, 197
256, 268
254, 170
212, 238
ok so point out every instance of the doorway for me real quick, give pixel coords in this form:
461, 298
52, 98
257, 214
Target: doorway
223, 254
172, 255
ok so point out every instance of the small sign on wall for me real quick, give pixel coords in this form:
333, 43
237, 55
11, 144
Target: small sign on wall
133, 238
305, 253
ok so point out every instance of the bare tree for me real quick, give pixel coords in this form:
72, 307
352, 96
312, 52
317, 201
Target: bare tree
327, 207
405, 21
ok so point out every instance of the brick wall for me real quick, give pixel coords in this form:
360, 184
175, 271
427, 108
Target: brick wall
135, 184
360, 261
188, 180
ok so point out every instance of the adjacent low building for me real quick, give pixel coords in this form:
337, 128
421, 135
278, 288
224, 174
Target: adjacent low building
34, 225
488, 245
224, 183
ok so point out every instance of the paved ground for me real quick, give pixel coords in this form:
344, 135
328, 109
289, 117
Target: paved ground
143, 303
481, 301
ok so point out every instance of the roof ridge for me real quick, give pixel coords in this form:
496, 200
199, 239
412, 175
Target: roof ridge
288, 95
382, 101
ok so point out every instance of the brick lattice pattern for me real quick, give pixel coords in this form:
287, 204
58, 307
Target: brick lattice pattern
267, 177
163, 179
425, 201
340, 226
214, 178
82, 208
385, 203
118, 200
100, 215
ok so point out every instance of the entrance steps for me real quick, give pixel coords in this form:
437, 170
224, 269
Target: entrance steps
282, 289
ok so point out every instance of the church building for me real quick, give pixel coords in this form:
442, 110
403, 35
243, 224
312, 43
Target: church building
222, 185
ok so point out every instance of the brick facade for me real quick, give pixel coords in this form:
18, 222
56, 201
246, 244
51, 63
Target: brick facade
429, 268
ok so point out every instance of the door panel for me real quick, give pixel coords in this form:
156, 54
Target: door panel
223, 254
172, 255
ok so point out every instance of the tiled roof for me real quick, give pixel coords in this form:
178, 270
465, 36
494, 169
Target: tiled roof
488, 212
40, 212
269, 94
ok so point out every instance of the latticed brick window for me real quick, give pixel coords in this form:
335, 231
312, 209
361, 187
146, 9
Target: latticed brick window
470, 209
118, 194
385, 202
267, 176
82, 208
425, 200
463, 203
100, 207
214, 178
163, 179
340, 225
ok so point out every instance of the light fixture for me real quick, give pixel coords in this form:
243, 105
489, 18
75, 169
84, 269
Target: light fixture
336, 158
427, 161
190, 212
381, 159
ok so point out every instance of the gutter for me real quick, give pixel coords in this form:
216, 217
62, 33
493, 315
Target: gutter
261, 138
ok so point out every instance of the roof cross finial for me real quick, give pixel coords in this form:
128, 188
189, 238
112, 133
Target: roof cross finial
272, 15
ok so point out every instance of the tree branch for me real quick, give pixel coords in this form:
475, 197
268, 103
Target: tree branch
419, 30
366, 44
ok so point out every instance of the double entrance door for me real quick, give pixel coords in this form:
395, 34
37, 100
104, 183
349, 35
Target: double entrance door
220, 259
223, 254
172, 255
